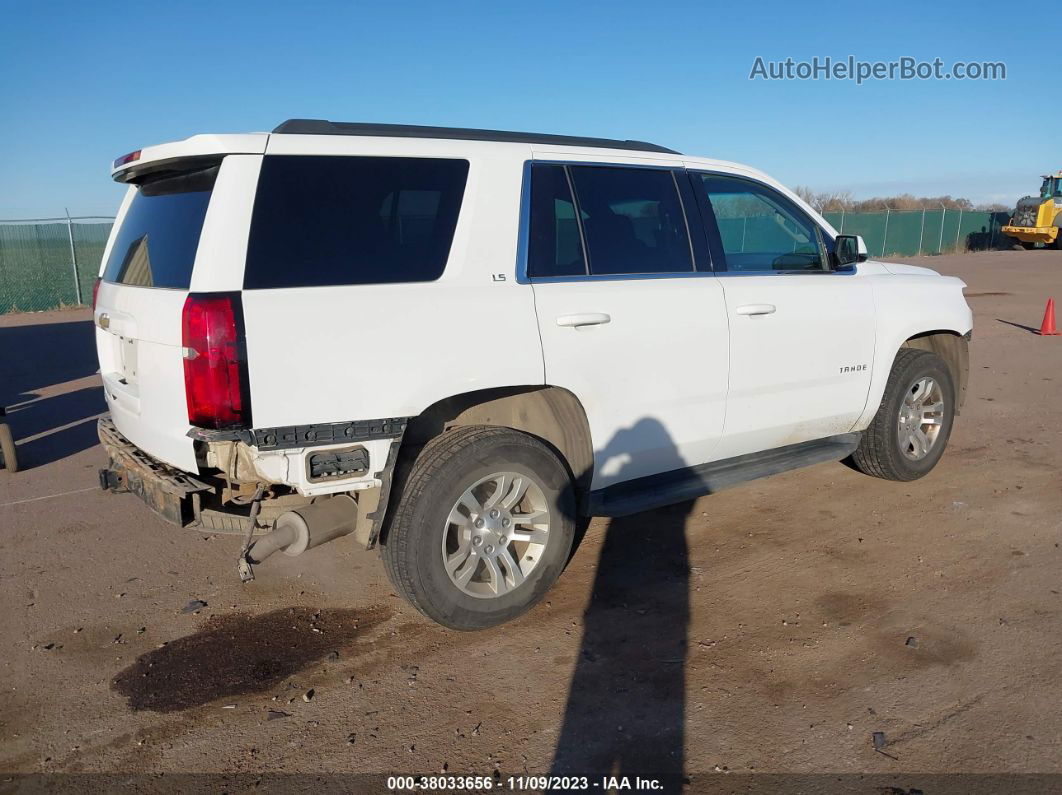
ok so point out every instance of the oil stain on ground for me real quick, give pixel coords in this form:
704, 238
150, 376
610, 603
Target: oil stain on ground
238, 654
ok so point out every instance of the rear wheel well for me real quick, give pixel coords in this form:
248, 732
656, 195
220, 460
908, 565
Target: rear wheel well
551, 414
954, 349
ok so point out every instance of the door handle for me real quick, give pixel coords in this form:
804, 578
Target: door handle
584, 319
755, 309
104, 320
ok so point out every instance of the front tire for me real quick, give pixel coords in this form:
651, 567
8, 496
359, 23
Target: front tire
483, 528
911, 428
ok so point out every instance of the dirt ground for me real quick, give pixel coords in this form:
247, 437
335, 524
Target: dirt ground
774, 627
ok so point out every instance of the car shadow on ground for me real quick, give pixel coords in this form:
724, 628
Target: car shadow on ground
33, 358
626, 706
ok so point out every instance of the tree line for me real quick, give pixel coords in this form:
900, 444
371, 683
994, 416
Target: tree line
838, 201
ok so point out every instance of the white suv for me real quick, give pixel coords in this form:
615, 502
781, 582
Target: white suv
458, 343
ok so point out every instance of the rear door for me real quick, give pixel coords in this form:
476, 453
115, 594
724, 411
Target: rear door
177, 231
801, 335
628, 323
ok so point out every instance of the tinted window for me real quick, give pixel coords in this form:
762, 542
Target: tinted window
760, 229
554, 246
156, 243
322, 221
632, 220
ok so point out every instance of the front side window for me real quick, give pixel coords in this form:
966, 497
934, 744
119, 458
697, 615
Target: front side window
323, 221
760, 230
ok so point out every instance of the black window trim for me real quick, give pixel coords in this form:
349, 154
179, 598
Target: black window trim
701, 258
587, 270
715, 238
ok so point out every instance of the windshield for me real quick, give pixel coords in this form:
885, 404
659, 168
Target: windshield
156, 244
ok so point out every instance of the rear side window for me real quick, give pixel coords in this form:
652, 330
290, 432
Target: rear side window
323, 221
156, 243
632, 220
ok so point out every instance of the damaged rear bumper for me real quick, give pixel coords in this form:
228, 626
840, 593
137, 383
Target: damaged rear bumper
174, 495
205, 502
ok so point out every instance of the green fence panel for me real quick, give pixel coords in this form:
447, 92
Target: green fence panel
931, 235
89, 242
978, 230
951, 231
836, 220
912, 232
36, 265
871, 226
903, 229
35, 268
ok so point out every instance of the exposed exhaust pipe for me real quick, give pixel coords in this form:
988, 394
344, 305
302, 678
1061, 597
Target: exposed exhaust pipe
306, 527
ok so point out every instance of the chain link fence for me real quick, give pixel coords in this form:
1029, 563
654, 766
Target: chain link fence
48, 263
913, 232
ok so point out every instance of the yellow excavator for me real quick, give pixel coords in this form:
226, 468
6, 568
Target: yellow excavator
1037, 219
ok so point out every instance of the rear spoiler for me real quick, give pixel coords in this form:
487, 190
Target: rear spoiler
197, 151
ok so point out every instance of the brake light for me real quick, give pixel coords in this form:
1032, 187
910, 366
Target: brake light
215, 372
125, 159
95, 292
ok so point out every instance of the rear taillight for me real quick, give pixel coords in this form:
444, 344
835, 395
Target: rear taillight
95, 292
215, 373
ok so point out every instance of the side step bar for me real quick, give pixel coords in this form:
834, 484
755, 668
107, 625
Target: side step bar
688, 483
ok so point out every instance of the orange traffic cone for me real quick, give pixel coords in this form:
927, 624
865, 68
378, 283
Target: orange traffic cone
1047, 328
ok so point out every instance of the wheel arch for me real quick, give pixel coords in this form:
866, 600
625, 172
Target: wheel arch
552, 414
951, 344
954, 349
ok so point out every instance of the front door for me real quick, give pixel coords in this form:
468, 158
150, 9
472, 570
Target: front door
801, 334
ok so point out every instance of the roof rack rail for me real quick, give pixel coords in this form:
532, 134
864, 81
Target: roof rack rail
323, 127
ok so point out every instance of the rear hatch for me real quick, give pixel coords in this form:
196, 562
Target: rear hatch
161, 239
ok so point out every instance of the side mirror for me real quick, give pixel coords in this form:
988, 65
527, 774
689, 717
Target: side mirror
848, 250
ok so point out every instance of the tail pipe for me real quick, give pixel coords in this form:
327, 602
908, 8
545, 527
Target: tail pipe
307, 527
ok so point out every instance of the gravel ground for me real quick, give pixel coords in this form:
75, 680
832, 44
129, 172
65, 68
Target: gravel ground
774, 627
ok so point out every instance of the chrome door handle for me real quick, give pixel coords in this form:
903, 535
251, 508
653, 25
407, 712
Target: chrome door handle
584, 319
755, 309
104, 320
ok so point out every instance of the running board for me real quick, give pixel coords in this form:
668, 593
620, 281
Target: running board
688, 483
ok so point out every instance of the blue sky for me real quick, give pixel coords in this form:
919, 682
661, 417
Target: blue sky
85, 82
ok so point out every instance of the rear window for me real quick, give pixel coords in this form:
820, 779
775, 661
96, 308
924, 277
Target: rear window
324, 221
158, 238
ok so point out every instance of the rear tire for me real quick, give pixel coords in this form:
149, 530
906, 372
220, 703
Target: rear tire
904, 441
1028, 246
8, 457
483, 528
